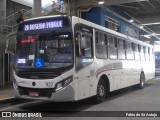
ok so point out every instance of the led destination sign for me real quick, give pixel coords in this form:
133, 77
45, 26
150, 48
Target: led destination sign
30, 40
43, 25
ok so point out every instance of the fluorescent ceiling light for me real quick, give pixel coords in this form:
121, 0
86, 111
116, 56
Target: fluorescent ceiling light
147, 36
131, 20
101, 2
156, 23
153, 34
141, 26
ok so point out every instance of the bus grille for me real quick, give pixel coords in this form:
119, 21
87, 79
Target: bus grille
43, 92
36, 75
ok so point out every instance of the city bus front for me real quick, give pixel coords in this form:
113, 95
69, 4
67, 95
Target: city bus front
44, 59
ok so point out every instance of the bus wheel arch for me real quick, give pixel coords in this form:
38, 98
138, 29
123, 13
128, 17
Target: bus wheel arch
103, 89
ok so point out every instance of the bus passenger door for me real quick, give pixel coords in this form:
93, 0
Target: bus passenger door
83, 61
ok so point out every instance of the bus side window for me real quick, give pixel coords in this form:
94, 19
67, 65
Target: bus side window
136, 52
142, 53
130, 51
121, 49
112, 47
101, 45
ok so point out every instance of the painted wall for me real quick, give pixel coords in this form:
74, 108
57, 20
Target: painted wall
97, 15
93, 15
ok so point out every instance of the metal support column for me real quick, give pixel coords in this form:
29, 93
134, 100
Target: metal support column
4, 69
1, 70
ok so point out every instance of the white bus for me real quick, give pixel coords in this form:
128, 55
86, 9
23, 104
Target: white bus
63, 58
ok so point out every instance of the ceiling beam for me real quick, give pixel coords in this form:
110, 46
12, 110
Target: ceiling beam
147, 10
118, 2
158, 1
156, 31
149, 20
152, 5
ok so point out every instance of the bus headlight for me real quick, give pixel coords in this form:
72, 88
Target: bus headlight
63, 83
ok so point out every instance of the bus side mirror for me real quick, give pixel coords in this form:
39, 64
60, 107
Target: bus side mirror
11, 43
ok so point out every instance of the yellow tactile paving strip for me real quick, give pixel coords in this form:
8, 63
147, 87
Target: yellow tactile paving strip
6, 92
4, 97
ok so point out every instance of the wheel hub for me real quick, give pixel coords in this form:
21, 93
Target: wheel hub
101, 90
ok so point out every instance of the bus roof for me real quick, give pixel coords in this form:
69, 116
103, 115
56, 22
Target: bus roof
43, 17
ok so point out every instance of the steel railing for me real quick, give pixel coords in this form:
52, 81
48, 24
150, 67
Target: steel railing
13, 17
5, 24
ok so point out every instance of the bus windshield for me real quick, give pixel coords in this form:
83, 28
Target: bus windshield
44, 50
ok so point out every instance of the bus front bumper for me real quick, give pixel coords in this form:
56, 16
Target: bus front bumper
65, 94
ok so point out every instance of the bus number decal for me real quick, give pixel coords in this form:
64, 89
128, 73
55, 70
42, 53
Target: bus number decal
49, 84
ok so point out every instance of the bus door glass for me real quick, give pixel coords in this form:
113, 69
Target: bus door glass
83, 48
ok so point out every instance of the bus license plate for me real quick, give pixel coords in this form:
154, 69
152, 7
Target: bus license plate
33, 94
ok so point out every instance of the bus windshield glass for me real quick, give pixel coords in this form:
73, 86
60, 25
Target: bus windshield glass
44, 50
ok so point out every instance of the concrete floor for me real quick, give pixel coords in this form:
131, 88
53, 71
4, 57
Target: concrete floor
130, 99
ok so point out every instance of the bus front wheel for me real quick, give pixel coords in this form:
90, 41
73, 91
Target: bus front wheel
101, 91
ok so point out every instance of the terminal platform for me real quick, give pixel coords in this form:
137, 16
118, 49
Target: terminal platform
6, 92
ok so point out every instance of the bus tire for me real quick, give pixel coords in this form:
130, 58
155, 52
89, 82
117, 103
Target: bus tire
142, 81
101, 91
